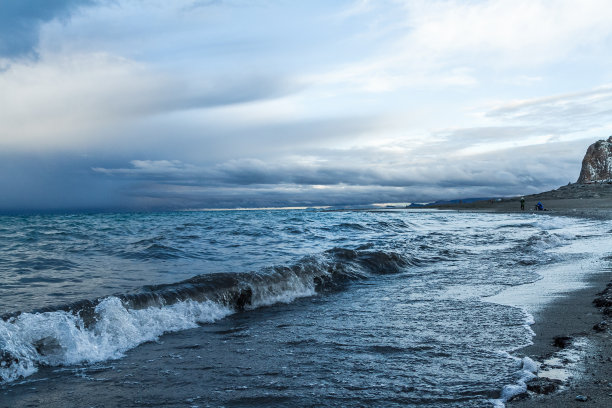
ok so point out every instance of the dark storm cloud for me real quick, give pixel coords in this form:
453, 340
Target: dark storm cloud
20, 21
78, 182
255, 172
264, 197
255, 182
31, 182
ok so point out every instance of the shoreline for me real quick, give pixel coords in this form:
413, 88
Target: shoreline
564, 327
577, 200
569, 327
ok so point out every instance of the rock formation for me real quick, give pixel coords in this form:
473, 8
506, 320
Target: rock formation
597, 162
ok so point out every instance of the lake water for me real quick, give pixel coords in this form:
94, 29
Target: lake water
275, 308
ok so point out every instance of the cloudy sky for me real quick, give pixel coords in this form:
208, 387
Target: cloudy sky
151, 104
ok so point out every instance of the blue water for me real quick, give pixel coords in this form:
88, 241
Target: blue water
269, 308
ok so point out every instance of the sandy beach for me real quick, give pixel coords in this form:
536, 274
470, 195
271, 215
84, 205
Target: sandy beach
572, 332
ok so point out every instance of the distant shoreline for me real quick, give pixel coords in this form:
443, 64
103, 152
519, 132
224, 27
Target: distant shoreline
578, 200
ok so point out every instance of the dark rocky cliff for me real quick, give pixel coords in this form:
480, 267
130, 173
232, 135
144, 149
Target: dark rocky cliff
597, 162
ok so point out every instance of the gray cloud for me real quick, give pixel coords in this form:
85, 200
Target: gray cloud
224, 91
20, 21
517, 108
561, 113
107, 182
353, 180
208, 144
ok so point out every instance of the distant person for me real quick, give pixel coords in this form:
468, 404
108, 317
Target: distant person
522, 203
539, 206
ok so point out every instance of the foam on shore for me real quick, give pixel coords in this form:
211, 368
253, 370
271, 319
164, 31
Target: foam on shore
559, 279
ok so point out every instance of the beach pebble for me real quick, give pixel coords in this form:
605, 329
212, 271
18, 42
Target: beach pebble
562, 341
582, 398
543, 385
599, 327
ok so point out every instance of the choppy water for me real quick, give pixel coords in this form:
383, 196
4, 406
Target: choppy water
271, 308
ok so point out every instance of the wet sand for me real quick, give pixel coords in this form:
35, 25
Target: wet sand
567, 325
574, 316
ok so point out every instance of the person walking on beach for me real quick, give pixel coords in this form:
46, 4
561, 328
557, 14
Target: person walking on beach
522, 203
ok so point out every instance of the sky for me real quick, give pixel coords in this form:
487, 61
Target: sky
147, 105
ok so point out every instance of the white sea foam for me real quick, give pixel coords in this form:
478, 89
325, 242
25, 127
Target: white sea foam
561, 366
567, 362
287, 296
61, 338
579, 258
557, 281
527, 372
546, 240
284, 292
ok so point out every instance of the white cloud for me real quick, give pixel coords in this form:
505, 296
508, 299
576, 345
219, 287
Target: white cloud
515, 32
61, 100
68, 101
425, 43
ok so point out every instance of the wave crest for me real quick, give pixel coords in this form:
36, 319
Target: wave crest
90, 331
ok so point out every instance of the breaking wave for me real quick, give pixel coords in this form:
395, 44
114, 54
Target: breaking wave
96, 330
